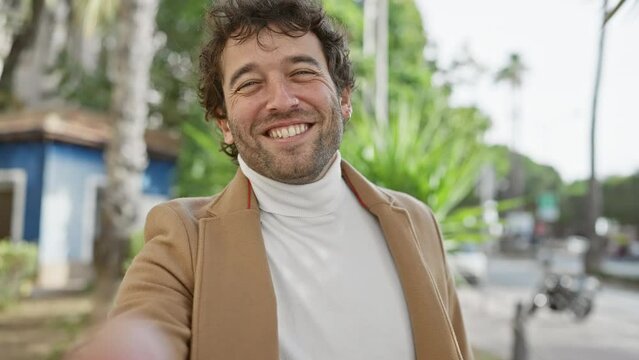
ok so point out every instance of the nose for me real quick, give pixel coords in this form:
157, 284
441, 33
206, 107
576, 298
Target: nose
281, 98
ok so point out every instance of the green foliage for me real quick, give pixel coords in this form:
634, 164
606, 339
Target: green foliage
18, 266
429, 149
621, 199
136, 242
512, 72
538, 178
433, 153
90, 90
203, 169
348, 14
409, 74
573, 206
174, 72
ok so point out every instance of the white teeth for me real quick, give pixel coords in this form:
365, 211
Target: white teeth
288, 131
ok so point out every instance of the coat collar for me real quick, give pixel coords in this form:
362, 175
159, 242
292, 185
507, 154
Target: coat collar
234, 231
238, 195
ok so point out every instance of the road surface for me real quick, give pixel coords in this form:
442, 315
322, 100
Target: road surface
610, 332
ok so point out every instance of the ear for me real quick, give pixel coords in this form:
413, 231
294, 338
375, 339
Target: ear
345, 104
223, 124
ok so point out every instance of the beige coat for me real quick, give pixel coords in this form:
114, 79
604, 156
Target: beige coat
203, 275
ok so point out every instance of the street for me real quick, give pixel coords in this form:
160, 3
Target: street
610, 332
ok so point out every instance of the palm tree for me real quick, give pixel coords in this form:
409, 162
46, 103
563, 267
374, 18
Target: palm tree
512, 73
595, 204
126, 156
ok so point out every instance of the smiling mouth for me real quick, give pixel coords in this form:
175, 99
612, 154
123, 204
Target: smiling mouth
288, 131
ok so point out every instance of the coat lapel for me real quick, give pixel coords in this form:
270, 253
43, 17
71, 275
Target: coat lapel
427, 313
235, 312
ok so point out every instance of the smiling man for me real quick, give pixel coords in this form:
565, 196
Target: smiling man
300, 257
284, 114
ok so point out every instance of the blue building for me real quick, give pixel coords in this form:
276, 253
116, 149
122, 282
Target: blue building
52, 175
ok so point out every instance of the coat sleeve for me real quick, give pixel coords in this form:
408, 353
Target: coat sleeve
431, 242
158, 285
457, 320
454, 309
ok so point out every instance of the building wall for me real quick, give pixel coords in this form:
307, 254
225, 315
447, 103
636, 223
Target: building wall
61, 201
68, 172
159, 177
73, 175
28, 156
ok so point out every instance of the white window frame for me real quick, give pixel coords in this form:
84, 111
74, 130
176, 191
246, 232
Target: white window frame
92, 185
17, 179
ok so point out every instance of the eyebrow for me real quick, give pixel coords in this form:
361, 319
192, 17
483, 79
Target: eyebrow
304, 59
292, 59
241, 71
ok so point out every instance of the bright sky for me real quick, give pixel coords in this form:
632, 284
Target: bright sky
557, 41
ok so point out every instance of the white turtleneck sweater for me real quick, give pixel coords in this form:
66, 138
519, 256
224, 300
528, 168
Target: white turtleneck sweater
337, 291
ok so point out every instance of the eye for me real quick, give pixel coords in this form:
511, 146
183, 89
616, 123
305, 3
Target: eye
304, 72
247, 85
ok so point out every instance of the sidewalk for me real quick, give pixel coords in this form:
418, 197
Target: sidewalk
43, 328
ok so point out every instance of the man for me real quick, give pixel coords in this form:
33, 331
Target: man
300, 257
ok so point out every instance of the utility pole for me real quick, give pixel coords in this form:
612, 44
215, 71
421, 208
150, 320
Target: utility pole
593, 255
376, 44
381, 64
370, 26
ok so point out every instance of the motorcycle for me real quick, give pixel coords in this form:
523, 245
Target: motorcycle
564, 292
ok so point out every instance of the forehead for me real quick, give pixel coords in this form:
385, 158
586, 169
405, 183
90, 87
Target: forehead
271, 49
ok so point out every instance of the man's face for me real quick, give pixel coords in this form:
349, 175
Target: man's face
283, 111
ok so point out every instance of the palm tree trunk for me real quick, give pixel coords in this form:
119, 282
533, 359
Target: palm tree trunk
21, 42
595, 252
126, 156
517, 171
36, 80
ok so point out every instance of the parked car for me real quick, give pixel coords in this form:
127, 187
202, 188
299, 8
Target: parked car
469, 261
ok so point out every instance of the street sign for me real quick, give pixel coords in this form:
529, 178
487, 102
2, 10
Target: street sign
547, 208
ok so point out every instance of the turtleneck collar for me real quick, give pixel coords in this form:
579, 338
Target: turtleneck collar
318, 198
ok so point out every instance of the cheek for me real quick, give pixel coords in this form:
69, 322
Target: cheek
242, 111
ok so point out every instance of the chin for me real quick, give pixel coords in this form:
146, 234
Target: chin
295, 175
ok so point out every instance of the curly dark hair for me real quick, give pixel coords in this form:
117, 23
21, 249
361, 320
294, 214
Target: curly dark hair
243, 19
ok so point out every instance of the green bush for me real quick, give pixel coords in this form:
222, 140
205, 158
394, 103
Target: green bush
135, 245
429, 150
18, 266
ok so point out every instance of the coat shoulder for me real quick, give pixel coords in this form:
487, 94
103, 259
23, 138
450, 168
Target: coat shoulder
190, 208
408, 202
421, 214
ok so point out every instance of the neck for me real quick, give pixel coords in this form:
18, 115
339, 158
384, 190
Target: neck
312, 199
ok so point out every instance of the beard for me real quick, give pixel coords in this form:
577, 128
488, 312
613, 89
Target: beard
300, 164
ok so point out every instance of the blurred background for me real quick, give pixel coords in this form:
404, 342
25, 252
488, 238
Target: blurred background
515, 121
